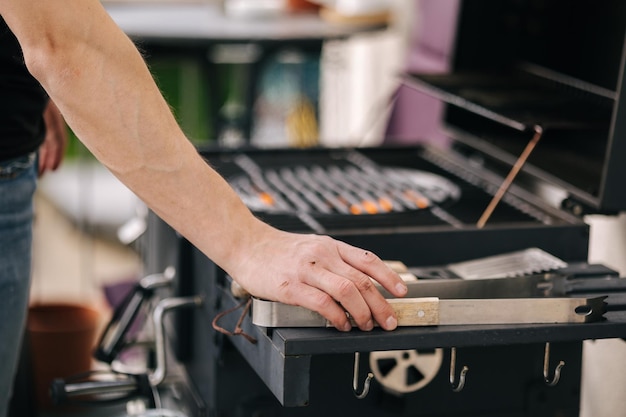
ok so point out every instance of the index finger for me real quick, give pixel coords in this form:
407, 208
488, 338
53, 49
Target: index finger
370, 264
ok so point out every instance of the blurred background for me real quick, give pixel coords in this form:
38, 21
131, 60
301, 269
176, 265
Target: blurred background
342, 91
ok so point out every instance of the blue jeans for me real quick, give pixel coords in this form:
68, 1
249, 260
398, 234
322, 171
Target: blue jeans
18, 179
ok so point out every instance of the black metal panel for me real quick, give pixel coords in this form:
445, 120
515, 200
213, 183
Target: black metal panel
442, 246
555, 63
318, 341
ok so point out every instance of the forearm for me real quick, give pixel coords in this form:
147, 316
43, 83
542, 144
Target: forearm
108, 97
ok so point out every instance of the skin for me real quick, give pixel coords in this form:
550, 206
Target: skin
105, 92
53, 148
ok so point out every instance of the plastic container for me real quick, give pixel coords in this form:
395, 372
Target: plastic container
61, 338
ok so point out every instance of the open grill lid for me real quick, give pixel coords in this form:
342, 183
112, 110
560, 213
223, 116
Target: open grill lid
556, 64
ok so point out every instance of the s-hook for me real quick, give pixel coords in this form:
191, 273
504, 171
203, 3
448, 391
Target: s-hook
456, 387
546, 364
355, 379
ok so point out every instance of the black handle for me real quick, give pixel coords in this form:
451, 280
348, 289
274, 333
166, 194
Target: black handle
113, 337
112, 340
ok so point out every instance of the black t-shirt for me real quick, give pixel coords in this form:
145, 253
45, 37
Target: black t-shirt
22, 101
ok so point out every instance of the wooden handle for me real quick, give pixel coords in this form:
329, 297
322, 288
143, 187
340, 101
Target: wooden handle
416, 311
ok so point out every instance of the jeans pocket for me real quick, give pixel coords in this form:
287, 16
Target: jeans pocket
12, 168
18, 180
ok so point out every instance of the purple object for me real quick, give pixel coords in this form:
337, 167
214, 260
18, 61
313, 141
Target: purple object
416, 117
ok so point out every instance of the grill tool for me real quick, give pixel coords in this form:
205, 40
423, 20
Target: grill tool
527, 286
432, 311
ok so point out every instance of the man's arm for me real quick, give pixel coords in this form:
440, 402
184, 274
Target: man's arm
99, 81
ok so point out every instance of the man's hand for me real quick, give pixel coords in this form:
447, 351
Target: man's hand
322, 274
52, 149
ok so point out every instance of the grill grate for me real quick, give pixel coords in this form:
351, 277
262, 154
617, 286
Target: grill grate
340, 189
345, 190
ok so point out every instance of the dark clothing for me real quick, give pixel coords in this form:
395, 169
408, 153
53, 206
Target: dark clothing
22, 101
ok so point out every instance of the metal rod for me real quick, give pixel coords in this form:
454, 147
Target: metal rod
463, 103
510, 177
161, 308
100, 387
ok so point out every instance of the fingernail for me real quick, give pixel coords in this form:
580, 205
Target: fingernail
391, 323
401, 288
369, 326
346, 327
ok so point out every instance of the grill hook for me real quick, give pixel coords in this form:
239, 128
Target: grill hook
355, 379
456, 387
546, 364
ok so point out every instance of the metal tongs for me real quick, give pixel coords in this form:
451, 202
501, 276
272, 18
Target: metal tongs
521, 287
433, 311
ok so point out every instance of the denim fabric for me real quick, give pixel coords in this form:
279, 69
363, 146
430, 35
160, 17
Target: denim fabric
17, 184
